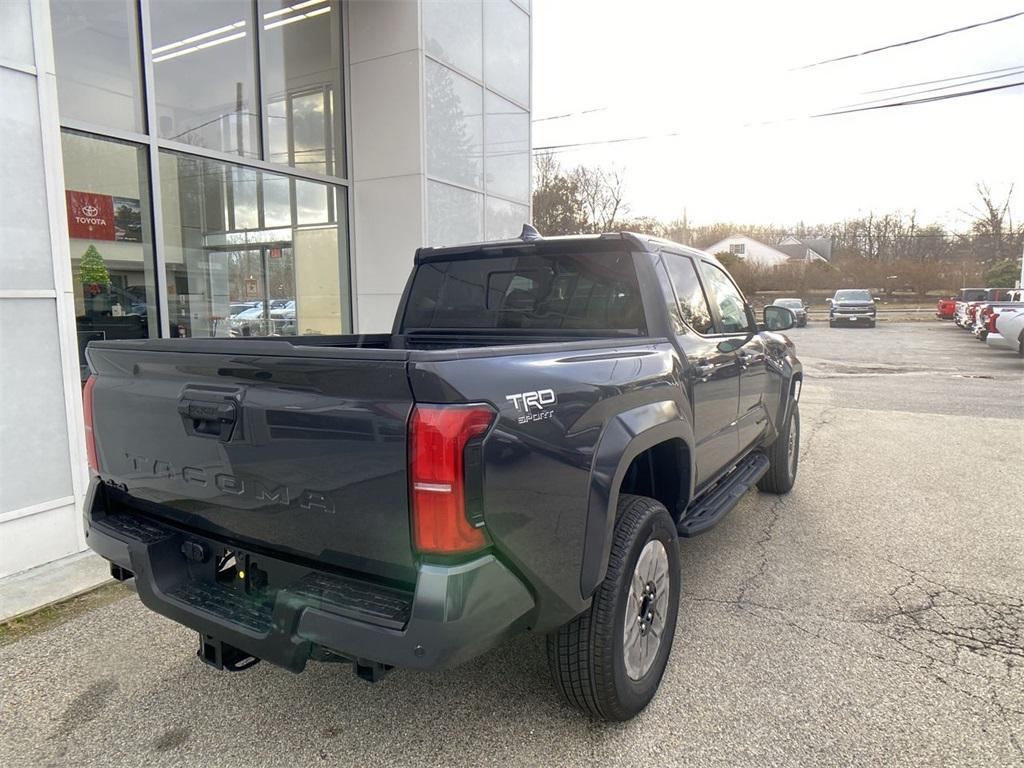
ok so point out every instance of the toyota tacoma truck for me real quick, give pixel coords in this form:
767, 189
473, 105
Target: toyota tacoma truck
519, 454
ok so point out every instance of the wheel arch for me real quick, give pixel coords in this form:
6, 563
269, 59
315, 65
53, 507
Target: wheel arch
655, 432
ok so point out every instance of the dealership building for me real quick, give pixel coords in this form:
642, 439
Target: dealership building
217, 168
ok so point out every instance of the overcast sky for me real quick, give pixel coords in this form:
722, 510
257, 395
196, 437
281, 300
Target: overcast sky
716, 72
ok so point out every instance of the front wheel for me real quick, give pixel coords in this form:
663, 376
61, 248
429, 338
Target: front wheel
783, 456
609, 660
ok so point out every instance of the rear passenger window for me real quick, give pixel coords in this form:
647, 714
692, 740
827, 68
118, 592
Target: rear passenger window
693, 305
533, 291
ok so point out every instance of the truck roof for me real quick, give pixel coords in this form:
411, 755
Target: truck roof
608, 241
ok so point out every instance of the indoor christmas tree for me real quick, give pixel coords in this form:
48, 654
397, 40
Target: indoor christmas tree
93, 271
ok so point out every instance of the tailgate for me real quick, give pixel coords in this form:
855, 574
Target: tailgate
299, 455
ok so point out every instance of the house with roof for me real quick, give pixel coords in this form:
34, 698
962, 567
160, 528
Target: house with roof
790, 249
807, 248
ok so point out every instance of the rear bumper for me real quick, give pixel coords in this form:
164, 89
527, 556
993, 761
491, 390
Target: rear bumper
456, 612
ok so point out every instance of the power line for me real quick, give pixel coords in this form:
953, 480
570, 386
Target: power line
937, 88
556, 148
910, 102
909, 42
569, 114
942, 80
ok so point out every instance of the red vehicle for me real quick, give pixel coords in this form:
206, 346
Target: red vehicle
946, 308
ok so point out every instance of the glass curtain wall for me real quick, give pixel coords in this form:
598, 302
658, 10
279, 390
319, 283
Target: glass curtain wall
111, 236
174, 114
250, 253
477, 98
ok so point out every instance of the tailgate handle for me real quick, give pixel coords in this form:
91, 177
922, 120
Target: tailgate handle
204, 418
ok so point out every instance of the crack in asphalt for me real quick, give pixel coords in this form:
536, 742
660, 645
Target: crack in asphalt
940, 626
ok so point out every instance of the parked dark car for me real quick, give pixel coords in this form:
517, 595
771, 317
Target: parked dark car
521, 453
797, 307
852, 306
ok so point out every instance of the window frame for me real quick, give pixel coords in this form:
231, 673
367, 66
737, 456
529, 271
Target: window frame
675, 294
710, 292
154, 144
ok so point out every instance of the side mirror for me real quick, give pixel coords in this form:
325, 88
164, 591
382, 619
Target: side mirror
829, 302
778, 318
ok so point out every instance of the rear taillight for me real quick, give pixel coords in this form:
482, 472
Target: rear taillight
438, 435
90, 436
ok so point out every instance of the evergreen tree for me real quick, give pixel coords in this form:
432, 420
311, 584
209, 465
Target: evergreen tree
92, 270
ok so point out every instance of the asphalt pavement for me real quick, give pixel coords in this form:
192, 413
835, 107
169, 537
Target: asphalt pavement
874, 616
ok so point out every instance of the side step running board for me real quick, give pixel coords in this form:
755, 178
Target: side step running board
713, 506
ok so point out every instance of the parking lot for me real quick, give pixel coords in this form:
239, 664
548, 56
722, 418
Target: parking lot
873, 616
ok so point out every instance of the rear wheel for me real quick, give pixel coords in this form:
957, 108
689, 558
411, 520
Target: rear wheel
784, 456
1020, 344
609, 660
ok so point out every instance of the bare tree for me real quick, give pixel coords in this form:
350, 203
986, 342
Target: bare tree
601, 196
994, 236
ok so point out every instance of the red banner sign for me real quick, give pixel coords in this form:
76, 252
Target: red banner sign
90, 216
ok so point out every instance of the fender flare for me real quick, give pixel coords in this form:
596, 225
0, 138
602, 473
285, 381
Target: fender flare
625, 437
792, 373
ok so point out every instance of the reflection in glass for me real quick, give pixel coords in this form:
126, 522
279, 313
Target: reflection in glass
454, 215
453, 32
505, 219
204, 73
300, 50
507, 130
251, 253
107, 191
96, 47
454, 122
507, 49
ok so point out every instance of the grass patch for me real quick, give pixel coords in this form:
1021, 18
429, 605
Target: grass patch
59, 613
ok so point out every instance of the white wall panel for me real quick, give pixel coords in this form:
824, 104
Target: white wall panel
390, 212
382, 28
16, 33
507, 49
39, 538
453, 32
505, 219
25, 261
454, 215
386, 116
34, 463
454, 109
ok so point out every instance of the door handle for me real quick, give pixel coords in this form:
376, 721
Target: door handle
208, 418
704, 369
746, 359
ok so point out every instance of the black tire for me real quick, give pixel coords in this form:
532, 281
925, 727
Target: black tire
831, 323
1020, 345
587, 655
871, 324
781, 474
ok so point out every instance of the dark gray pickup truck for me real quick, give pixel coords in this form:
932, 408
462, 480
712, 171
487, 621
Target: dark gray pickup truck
521, 453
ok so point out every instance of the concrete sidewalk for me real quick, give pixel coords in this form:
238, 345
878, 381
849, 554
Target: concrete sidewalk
50, 583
